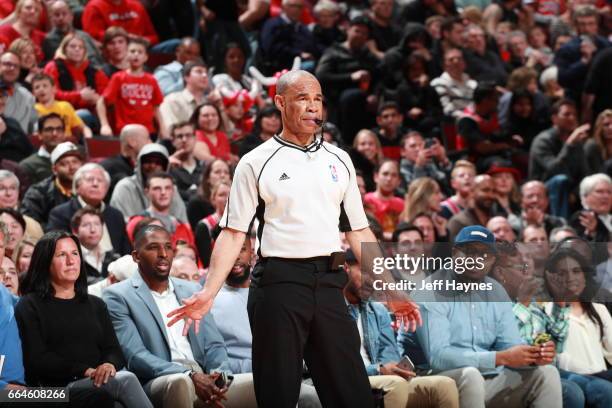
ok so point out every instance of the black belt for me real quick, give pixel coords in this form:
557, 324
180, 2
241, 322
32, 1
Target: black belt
334, 262
300, 260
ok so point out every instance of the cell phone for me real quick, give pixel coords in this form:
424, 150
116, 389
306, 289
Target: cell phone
224, 380
429, 142
406, 364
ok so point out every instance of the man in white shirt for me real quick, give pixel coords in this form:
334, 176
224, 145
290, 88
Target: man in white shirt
177, 371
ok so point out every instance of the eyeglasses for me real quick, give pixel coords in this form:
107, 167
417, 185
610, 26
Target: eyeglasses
50, 129
519, 267
8, 64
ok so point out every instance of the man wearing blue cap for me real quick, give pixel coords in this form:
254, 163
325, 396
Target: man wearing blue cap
469, 333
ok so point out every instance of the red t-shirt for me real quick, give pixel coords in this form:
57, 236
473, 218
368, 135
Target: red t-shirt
8, 34
387, 212
221, 149
135, 99
98, 15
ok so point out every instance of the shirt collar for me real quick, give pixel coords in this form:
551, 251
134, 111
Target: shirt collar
42, 152
166, 293
84, 204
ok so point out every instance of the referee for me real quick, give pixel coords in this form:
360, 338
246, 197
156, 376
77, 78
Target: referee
303, 192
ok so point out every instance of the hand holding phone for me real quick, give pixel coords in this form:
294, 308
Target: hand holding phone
406, 364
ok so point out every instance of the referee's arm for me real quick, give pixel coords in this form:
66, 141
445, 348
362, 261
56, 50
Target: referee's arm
239, 211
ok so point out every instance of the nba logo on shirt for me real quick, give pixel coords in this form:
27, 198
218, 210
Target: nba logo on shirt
334, 173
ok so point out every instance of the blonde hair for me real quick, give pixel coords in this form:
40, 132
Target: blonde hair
61, 50
462, 164
418, 196
368, 132
18, 251
598, 134
21, 3
217, 186
18, 46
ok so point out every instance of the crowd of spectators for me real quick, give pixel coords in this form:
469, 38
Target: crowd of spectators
121, 123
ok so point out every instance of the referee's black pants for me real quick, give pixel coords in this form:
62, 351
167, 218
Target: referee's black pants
297, 312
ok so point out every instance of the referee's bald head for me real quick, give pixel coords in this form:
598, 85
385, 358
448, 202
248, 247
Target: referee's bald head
290, 78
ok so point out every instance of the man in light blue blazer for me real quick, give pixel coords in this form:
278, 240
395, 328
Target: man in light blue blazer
176, 370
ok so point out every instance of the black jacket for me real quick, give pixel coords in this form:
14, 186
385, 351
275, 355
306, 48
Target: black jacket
59, 219
338, 63
94, 275
40, 199
14, 143
118, 167
393, 61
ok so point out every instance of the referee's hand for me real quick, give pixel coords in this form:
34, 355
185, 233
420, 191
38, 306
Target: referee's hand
406, 313
193, 310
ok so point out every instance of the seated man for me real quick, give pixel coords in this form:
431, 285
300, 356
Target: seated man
471, 335
129, 196
482, 208
284, 37
12, 374
56, 189
557, 157
348, 71
479, 128
51, 132
421, 159
87, 224
90, 186
183, 267
390, 130
170, 76
177, 371
160, 190
501, 229
534, 209
230, 313
132, 138
184, 167
380, 354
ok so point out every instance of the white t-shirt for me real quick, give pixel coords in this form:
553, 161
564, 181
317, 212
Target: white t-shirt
302, 197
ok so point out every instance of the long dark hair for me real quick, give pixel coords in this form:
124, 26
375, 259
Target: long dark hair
586, 297
196, 115
204, 188
265, 112
38, 277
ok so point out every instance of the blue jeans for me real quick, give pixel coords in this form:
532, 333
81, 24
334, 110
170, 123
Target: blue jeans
90, 120
573, 396
558, 194
166, 47
597, 391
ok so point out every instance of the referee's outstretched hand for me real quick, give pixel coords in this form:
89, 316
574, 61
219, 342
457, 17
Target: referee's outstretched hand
406, 313
193, 310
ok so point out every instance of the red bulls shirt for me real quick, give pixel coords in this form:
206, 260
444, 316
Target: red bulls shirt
134, 98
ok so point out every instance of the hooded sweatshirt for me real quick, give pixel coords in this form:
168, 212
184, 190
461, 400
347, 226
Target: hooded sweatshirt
129, 196
394, 58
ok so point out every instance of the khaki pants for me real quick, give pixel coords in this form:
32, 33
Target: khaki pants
178, 391
419, 392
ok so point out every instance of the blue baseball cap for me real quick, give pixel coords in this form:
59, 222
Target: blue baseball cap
475, 233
